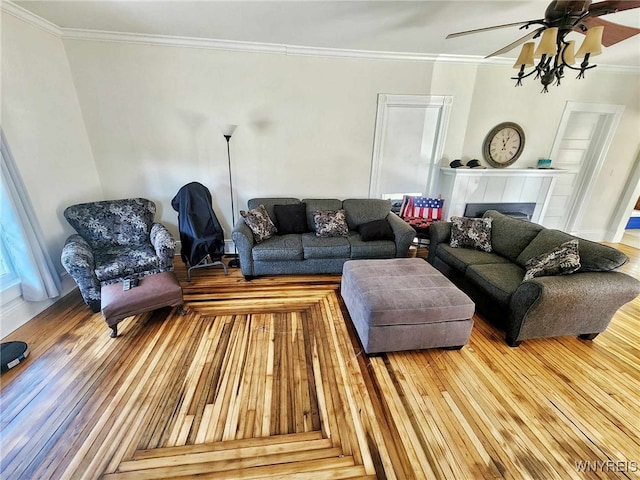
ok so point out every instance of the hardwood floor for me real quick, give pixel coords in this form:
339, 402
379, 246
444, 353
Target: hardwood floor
267, 379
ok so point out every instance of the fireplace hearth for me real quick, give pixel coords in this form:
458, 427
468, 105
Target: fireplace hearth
517, 210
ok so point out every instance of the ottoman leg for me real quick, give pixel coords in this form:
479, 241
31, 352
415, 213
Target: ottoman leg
114, 331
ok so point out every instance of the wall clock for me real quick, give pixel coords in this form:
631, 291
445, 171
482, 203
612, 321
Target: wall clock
503, 144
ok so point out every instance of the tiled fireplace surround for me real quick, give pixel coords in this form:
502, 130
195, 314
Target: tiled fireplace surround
460, 187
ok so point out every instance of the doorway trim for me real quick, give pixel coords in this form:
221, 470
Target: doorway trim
598, 149
625, 205
441, 102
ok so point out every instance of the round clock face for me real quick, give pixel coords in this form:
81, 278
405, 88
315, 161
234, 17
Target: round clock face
503, 144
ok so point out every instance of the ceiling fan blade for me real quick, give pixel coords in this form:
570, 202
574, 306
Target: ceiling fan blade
487, 29
612, 6
520, 41
613, 32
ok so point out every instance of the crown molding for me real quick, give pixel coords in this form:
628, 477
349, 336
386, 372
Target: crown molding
31, 18
257, 47
272, 48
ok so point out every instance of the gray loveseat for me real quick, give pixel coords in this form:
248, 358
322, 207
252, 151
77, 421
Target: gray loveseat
580, 304
306, 253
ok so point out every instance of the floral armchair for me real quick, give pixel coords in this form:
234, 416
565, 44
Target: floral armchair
116, 239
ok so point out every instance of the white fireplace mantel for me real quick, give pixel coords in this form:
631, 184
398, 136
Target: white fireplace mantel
459, 186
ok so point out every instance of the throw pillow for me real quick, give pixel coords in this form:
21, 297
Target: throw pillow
376, 230
471, 233
562, 260
260, 223
291, 218
330, 223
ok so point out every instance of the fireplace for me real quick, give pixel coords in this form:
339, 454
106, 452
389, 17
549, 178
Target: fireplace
517, 210
497, 187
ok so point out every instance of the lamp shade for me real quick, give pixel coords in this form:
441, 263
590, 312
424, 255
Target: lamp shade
525, 59
568, 56
592, 43
228, 129
547, 45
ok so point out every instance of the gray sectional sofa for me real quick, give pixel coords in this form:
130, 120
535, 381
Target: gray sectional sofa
580, 304
306, 253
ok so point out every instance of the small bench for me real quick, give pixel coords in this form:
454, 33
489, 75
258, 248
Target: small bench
152, 292
405, 304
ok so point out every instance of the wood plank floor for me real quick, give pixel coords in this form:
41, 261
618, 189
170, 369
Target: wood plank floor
267, 379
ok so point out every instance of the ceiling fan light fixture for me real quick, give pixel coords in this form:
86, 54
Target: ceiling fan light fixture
568, 56
525, 59
548, 45
592, 43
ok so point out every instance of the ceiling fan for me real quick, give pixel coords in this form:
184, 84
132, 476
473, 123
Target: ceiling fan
560, 18
571, 15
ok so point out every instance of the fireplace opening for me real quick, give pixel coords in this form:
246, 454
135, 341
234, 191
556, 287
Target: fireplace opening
517, 210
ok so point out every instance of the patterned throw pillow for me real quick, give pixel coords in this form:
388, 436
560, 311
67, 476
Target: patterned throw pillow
562, 260
471, 233
330, 223
260, 223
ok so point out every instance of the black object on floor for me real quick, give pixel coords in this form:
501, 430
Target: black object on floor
12, 353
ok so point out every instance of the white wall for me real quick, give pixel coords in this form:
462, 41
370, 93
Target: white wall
305, 129
44, 127
43, 124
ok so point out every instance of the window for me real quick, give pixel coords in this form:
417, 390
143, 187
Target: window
9, 281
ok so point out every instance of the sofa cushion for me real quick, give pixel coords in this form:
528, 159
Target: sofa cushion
594, 257
471, 233
364, 210
562, 260
270, 202
329, 223
510, 236
331, 247
498, 281
316, 204
461, 258
119, 262
113, 222
376, 230
372, 249
278, 248
291, 218
259, 222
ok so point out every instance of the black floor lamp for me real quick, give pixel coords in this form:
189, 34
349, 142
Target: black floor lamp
227, 131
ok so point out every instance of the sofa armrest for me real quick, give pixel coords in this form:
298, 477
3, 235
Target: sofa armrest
242, 237
77, 259
439, 232
164, 244
403, 233
576, 304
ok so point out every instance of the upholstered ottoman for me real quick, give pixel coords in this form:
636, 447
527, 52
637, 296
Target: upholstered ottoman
405, 304
152, 292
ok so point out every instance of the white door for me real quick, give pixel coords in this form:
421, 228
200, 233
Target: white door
408, 143
579, 149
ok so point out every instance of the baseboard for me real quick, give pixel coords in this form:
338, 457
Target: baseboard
18, 312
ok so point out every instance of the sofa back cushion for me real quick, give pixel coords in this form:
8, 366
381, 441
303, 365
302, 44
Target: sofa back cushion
320, 204
291, 218
113, 223
594, 257
510, 236
365, 210
269, 203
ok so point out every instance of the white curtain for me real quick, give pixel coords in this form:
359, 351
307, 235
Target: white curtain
22, 235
